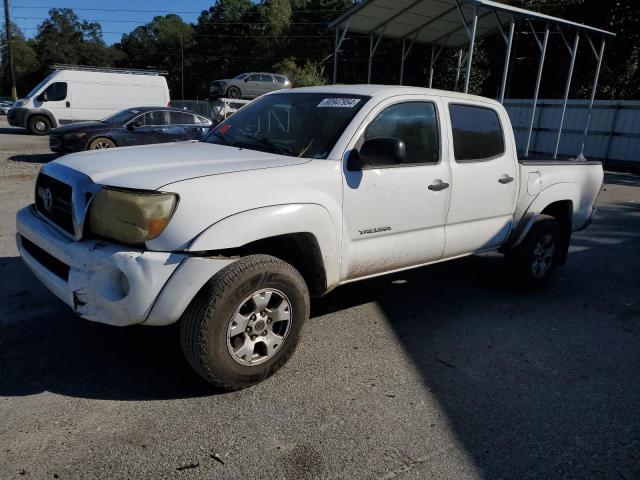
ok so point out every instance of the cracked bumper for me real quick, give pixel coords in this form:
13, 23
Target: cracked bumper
111, 283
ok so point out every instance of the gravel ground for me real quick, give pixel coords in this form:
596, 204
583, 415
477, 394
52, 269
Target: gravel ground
443, 372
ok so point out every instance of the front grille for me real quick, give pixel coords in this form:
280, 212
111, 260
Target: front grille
48, 261
54, 141
53, 201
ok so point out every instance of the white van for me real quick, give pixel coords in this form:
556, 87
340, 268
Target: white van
76, 93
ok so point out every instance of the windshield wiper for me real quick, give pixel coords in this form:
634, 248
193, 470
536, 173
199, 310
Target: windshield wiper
266, 141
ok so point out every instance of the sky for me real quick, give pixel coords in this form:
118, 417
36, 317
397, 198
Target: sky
115, 16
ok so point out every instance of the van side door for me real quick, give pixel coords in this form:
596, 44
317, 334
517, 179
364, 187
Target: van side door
484, 171
56, 98
394, 215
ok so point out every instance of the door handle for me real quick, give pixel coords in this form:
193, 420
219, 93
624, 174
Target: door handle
68, 104
505, 179
438, 185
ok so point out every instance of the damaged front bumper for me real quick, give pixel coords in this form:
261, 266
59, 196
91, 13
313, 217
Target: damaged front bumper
111, 283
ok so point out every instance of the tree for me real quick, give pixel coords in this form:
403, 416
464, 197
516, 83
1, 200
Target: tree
63, 38
24, 60
159, 44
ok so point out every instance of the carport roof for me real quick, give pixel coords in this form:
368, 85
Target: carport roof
439, 21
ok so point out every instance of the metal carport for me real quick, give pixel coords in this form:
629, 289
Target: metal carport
457, 24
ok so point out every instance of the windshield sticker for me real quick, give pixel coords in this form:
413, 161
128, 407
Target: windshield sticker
338, 103
224, 128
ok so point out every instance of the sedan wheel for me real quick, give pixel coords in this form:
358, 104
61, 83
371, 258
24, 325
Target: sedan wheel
101, 143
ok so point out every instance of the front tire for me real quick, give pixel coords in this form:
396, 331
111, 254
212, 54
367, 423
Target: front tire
245, 323
534, 262
39, 125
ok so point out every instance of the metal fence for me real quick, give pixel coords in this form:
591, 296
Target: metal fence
614, 133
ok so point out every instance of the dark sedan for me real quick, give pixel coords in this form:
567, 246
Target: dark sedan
133, 126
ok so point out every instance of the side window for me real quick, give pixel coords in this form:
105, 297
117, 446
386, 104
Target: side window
203, 120
56, 92
155, 118
416, 123
254, 78
266, 78
477, 133
280, 78
181, 118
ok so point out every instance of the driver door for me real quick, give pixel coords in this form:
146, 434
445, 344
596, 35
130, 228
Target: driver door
393, 216
152, 128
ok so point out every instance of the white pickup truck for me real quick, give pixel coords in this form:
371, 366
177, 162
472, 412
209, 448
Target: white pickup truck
299, 192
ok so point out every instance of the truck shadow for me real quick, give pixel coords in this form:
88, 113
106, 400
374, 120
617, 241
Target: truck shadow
34, 158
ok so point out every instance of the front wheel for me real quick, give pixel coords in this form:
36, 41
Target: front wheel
233, 92
39, 125
536, 259
101, 143
245, 323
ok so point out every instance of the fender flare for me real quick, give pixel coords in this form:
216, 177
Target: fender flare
43, 112
554, 193
260, 223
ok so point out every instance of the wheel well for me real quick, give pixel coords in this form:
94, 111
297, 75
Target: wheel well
41, 114
301, 250
562, 211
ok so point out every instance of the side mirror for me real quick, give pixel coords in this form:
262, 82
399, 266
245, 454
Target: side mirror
378, 152
133, 125
43, 97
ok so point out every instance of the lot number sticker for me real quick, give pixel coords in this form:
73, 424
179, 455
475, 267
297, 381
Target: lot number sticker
339, 102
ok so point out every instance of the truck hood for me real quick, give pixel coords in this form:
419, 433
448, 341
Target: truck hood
151, 167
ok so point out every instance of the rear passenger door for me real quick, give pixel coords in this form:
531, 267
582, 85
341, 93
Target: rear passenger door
484, 178
392, 219
185, 126
252, 86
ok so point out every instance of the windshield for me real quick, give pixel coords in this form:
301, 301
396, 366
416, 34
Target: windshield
241, 76
38, 87
121, 117
296, 124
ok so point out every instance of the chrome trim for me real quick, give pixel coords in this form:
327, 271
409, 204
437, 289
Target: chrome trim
80, 184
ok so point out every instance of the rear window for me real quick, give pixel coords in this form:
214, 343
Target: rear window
280, 78
477, 133
181, 118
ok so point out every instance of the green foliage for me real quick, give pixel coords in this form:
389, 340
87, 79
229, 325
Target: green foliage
310, 74
25, 62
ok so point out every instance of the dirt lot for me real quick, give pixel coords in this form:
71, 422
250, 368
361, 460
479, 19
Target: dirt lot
444, 372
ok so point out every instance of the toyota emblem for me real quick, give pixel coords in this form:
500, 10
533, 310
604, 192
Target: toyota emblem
47, 198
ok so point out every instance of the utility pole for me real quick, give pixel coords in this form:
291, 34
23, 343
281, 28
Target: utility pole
182, 64
12, 71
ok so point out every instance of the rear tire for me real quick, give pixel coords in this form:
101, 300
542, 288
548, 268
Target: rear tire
535, 260
233, 92
39, 125
101, 143
245, 323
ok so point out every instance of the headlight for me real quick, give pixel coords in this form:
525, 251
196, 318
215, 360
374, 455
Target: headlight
130, 217
75, 136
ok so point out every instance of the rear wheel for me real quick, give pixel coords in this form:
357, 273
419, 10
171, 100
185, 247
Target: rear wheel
245, 322
39, 125
536, 259
101, 143
233, 92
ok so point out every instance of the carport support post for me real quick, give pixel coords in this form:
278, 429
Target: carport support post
455, 88
472, 43
338, 44
543, 53
593, 92
431, 66
507, 59
372, 50
567, 90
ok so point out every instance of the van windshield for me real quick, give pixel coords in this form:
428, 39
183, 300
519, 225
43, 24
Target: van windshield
121, 117
295, 124
37, 88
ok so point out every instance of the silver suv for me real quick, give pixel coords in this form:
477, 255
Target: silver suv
249, 85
